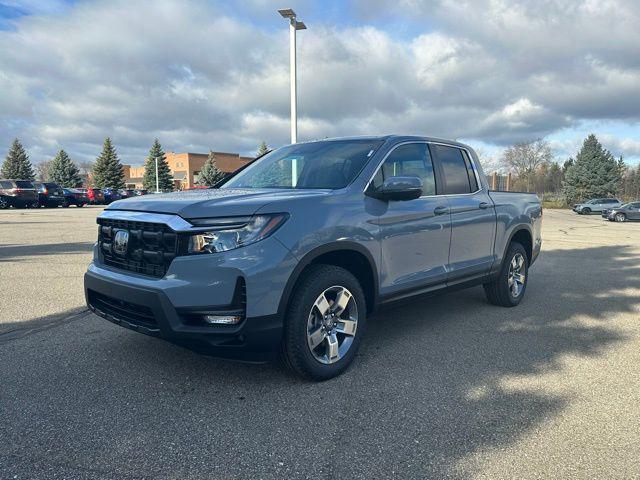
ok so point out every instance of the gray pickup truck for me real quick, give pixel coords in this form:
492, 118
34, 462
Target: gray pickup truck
289, 256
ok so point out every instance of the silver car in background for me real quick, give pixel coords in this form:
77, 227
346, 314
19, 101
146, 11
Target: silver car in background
596, 205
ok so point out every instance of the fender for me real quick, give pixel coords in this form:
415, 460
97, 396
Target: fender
498, 264
309, 257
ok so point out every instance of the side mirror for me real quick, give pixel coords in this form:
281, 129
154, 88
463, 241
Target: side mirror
397, 188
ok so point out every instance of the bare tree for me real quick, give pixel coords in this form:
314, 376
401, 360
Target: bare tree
525, 158
42, 171
489, 163
86, 170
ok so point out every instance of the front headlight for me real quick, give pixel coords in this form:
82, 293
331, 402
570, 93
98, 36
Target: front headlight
224, 234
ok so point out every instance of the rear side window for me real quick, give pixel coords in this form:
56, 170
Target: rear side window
456, 171
23, 184
412, 159
7, 185
473, 181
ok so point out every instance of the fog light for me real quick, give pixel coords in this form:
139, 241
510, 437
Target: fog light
222, 319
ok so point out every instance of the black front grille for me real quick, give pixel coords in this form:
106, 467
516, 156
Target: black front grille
133, 314
150, 247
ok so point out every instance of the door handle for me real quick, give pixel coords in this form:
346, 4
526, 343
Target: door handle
483, 205
441, 210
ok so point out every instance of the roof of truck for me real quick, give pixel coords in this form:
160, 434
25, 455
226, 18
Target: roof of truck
395, 138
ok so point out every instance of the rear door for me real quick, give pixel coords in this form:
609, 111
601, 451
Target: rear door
414, 234
634, 212
473, 214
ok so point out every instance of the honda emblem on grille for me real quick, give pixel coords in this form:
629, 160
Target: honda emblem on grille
120, 242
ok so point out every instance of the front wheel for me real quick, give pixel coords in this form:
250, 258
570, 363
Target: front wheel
621, 217
65, 204
324, 323
4, 203
509, 286
586, 211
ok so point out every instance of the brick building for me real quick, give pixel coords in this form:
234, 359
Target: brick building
186, 167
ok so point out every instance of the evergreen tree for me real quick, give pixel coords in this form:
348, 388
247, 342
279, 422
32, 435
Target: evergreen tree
568, 163
63, 171
108, 171
165, 178
210, 174
17, 164
595, 173
262, 148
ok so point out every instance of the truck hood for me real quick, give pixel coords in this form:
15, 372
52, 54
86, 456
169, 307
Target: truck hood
221, 202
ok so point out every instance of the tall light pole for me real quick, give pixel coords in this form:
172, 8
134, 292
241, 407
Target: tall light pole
294, 26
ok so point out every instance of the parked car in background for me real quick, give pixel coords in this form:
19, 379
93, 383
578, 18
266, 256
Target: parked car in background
628, 211
111, 195
18, 193
50, 194
293, 253
596, 205
95, 195
75, 197
127, 193
141, 191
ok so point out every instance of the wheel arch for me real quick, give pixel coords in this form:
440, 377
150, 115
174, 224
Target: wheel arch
351, 256
523, 236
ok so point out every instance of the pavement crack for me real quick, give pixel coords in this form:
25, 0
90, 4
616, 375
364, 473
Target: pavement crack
39, 325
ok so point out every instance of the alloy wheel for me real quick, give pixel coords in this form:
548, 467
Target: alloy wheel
516, 277
332, 324
620, 217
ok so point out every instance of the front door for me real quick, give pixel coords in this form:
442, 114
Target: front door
634, 211
414, 234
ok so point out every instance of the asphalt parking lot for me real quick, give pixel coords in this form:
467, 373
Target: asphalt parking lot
449, 387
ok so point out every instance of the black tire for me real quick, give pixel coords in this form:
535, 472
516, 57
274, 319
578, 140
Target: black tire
620, 217
586, 211
4, 203
65, 204
80, 205
296, 352
498, 291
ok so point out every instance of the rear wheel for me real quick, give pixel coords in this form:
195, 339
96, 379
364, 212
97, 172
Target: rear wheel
509, 286
4, 203
324, 323
621, 217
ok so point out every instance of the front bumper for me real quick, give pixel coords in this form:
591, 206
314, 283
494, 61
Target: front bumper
150, 311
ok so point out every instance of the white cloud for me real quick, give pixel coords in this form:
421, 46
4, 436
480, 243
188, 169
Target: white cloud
184, 71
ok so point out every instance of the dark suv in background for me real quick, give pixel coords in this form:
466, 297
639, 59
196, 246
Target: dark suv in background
628, 211
75, 197
17, 193
50, 194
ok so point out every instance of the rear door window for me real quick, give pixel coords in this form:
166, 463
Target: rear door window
7, 185
454, 169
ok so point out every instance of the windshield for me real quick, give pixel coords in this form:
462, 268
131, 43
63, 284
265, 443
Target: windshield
329, 164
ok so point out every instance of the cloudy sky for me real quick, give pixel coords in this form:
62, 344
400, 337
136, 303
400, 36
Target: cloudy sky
214, 74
